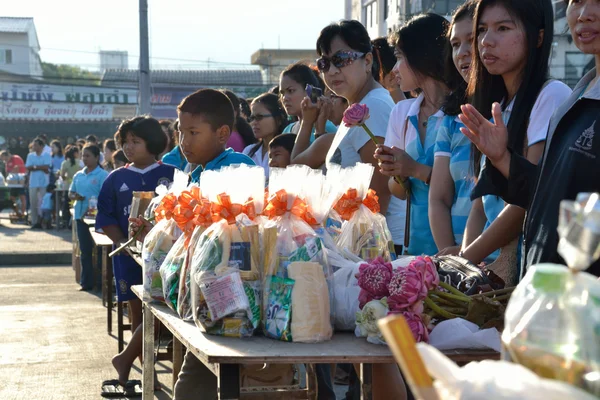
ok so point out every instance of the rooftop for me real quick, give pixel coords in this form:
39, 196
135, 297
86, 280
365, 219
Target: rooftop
15, 24
187, 77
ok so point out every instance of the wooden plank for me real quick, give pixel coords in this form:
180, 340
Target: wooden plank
343, 348
100, 239
177, 359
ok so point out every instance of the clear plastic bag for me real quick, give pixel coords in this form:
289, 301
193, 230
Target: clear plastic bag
225, 266
492, 380
297, 282
162, 236
552, 322
364, 231
156, 246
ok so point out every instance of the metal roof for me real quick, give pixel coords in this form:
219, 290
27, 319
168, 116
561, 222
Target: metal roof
186, 77
15, 25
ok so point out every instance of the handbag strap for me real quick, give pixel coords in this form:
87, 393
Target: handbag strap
407, 220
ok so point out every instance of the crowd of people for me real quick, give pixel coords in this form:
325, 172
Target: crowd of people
478, 145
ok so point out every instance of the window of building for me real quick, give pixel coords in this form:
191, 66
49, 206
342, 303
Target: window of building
5, 56
386, 9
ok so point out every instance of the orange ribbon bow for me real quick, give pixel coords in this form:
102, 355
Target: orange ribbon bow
225, 209
165, 208
192, 210
350, 203
278, 203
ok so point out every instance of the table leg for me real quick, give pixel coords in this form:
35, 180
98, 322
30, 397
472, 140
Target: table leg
311, 382
177, 359
148, 353
56, 208
228, 381
366, 378
120, 325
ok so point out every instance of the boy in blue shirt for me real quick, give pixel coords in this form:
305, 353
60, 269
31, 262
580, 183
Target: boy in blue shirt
38, 164
142, 140
46, 207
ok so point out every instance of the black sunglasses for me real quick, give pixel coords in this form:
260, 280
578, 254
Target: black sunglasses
258, 117
339, 60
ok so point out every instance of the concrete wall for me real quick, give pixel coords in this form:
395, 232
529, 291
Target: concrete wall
18, 43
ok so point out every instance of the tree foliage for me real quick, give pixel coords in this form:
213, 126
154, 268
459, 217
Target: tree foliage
69, 74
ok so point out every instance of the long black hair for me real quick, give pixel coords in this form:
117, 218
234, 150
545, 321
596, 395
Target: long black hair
458, 96
271, 103
383, 58
240, 125
303, 74
58, 146
71, 150
485, 88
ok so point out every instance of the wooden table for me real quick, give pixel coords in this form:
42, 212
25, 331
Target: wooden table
105, 244
224, 356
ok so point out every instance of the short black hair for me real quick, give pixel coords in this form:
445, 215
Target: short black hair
303, 74
286, 141
50, 188
110, 143
146, 128
92, 148
39, 141
91, 139
352, 32
120, 156
213, 105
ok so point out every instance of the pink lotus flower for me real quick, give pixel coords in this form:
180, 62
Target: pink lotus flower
406, 288
373, 279
356, 114
429, 271
416, 325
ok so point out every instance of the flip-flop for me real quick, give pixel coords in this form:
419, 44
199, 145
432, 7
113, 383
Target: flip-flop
112, 389
133, 388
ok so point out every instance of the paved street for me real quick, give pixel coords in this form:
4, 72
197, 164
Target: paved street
54, 342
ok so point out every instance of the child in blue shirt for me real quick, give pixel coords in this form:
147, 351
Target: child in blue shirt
47, 206
86, 185
142, 140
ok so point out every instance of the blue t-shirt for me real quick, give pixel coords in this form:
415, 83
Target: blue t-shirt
47, 202
226, 158
87, 185
56, 163
329, 128
175, 158
421, 238
116, 194
453, 144
38, 178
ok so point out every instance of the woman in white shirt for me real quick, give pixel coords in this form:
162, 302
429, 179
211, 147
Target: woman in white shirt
420, 46
268, 119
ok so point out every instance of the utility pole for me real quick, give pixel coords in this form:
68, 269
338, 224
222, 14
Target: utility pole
144, 78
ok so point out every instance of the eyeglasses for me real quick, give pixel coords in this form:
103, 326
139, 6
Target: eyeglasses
258, 117
339, 60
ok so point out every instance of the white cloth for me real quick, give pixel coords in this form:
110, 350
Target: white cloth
348, 141
552, 95
261, 159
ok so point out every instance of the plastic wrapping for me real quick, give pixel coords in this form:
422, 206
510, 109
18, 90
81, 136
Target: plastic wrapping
364, 231
295, 253
492, 380
162, 236
552, 322
225, 278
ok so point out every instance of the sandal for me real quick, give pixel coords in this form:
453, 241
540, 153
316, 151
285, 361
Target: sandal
133, 388
112, 389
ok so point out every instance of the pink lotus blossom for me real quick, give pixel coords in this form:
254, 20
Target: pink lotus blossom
406, 288
373, 279
416, 325
429, 271
356, 114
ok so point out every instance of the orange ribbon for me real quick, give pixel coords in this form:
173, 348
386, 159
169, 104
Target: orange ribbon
166, 207
225, 209
192, 210
350, 203
278, 203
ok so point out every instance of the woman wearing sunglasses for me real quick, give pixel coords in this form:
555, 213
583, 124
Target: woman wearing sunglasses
346, 65
267, 121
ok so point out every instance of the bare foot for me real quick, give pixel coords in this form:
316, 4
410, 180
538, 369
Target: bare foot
122, 368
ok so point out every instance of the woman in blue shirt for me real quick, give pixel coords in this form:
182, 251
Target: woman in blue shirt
86, 184
57, 159
414, 123
451, 179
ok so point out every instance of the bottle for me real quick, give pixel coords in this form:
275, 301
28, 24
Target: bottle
59, 183
93, 206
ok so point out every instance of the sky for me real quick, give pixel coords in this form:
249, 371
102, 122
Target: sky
184, 34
